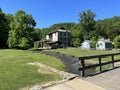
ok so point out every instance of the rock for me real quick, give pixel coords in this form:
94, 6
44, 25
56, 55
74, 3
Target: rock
36, 87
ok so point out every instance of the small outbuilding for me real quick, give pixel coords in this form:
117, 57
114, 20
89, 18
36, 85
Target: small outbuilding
104, 44
86, 44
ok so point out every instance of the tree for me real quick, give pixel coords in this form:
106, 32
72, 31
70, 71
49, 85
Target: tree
76, 42
100, 29
37, 34
22, 28
93, 40
4, 29
117, 28
9, 18
77, 37
108, 28
87, 21
117, 42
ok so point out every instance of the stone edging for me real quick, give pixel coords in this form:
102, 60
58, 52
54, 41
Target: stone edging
66, 76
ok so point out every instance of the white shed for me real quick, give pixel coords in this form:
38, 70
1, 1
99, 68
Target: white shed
86, 44
104, 44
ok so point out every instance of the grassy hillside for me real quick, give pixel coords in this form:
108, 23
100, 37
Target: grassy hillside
79, 52
15, 73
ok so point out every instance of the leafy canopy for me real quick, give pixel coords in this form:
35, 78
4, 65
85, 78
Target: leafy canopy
87, 21
22, 28
4, 29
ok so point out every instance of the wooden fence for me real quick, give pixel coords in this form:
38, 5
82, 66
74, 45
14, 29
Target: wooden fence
100, 62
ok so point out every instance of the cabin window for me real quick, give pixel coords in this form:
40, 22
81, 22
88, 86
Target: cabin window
60, 33
68, 34
64, 34
64, 39
61, 38
108, 45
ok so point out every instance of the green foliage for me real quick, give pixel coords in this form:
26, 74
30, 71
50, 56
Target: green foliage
4, 29
12, 41
24, 43
108, 28
93, 44
93, 40
77, 35
76, 42
76, 31
44, 31
87, 20
36, 44
37, 34
117, 42
9, 18
22, 28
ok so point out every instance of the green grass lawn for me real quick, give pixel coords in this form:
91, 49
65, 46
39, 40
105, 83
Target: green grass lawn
15, 73
79, 52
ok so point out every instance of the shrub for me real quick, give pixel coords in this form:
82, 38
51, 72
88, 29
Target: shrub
117, 42
36, 45
76, 42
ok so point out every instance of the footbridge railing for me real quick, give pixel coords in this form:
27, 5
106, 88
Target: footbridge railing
101, 61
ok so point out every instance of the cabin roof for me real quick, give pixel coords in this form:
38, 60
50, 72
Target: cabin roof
61, 29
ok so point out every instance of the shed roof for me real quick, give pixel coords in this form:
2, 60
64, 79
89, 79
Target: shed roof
106, 40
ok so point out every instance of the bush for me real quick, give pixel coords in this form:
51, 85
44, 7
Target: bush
36, 45
76, 42
117, 42
24, 43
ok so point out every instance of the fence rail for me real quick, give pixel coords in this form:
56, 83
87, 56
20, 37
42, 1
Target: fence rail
99, 64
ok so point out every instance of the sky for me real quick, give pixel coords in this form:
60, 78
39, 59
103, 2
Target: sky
49, 12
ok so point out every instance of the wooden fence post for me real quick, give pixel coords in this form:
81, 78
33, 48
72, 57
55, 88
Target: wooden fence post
100, 63
112, 61
83, 68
